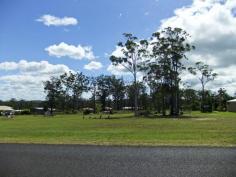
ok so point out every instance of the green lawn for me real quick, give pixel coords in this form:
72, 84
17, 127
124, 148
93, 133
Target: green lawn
214, 129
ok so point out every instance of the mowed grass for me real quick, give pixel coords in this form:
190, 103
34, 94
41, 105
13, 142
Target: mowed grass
213, 129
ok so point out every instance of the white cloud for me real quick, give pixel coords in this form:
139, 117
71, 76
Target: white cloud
8, 66
93, 65
118, 70
33, 67
212, 26
27, 80
50, 20
76, 52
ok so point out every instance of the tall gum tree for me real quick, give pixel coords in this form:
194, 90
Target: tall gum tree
205, 74
52, 88
133, 52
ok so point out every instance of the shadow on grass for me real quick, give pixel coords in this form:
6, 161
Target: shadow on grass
108, 117
169, 117
152, 116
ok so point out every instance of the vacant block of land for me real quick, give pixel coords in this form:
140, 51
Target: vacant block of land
211, 129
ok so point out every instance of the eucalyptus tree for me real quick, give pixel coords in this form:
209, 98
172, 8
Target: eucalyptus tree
66, 87
139, 87
134, 51
169, 48
221, 98
103, 89
117, 91
75, 85
52, 88
190, 99
157, 79
205, 75
93, 84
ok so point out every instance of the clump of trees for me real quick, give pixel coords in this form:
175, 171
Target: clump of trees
161, 60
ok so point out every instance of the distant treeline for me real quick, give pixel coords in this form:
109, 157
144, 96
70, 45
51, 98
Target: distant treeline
149, 101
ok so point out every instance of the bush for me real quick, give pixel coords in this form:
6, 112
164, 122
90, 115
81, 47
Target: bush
207, 108
23, 112
87, 111
74, 112
145, 113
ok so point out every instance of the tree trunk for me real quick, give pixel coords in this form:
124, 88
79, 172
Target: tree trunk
135, 96
203, 99
172, 104
177, 99
163, 103
51, 106
178, 102
94, 103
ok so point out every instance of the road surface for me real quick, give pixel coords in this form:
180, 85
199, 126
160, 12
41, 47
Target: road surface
19, 160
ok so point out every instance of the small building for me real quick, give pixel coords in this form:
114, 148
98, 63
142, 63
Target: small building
38, 110
41, 111
231, 105
6, 110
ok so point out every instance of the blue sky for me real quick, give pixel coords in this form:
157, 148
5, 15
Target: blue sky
43, 38
101, 24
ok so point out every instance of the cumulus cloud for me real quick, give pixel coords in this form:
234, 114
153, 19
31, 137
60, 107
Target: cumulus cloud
50, 20
33, 67
212, 26
75, 52
93, 65
8, 66
118, 70
27, 80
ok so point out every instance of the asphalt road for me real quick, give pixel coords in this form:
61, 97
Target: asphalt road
18, 160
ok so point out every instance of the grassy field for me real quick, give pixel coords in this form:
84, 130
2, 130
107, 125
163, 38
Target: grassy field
213, 129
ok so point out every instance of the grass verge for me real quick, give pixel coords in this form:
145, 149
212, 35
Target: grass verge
211, 129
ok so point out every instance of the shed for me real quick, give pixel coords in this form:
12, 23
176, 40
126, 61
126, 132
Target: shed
231, 105
38, 110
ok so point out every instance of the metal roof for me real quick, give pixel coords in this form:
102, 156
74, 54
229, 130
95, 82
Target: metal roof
232, 101
6, 108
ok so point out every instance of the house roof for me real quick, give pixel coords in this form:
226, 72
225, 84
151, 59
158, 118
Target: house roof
6, 108
232, 101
